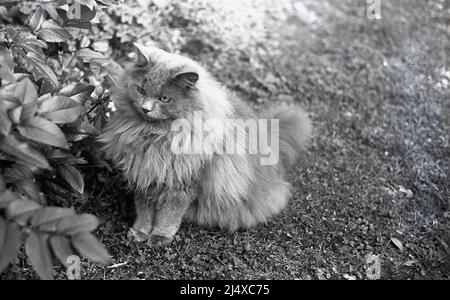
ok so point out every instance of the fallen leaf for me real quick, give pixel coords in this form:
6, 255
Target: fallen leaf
397, 243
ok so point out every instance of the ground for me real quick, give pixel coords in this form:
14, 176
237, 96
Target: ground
373, 181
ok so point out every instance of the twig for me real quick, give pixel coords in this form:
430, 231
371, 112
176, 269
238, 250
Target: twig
117, 265
153, 31
103, 100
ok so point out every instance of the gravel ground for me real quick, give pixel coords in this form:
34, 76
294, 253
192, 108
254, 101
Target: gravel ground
375, 179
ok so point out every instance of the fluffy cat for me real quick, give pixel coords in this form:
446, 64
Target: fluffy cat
230, 191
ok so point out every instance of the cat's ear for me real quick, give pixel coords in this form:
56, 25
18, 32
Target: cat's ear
142, 54
187, 79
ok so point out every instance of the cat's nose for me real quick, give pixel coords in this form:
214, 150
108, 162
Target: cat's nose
145, 110
148, 106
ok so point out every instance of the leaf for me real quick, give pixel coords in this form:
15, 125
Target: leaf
33, 45
60, 109
5, 123
37, 19
52, 11
38, 251
78, 131
115, 72
25, 110
17, 173
72, 176
26, 92
2, 186
79, 92
45, 86
98, 70
78, 24
16, 114
23, 152
7, 197
50, 214
6, 65
100, 46
43, 98
59, 193
108, 2
32, 40
28, 112
88, 3
41, 69
60, 156
9, 242
9, 97
43, 131
397, 243
88, 246
87, 55
21, 208
78, 223
85, 41
51, 32
29, 189
61, 247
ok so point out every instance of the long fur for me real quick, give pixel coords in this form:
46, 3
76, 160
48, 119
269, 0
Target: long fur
230, 191
295, 131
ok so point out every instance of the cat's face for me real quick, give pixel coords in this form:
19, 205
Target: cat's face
162, 86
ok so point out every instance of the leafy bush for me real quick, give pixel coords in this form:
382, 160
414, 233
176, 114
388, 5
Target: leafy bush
44, 121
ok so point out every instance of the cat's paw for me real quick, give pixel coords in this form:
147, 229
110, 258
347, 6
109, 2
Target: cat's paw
136, 235
158, 240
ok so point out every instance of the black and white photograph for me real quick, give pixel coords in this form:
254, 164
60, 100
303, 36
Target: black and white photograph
219, 146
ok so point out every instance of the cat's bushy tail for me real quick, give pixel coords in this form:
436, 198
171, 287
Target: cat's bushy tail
295, 131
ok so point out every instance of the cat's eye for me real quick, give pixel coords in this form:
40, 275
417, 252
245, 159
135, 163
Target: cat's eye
140, 90
164, 99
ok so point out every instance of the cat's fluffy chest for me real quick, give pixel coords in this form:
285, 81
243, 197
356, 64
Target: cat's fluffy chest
145, 156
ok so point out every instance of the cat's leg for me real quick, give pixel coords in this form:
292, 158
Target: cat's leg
145, 211
170, 209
